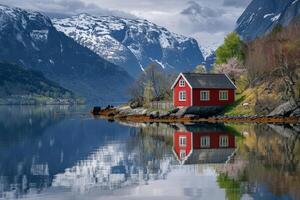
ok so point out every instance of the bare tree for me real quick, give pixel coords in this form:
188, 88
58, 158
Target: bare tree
153, 80
200, 69
233, 68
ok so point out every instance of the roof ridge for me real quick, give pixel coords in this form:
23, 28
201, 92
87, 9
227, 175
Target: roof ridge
203, 73
211, 80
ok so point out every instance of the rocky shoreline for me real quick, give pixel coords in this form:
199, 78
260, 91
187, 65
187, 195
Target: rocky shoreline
127, 114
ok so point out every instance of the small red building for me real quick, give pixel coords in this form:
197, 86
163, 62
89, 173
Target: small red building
195, 89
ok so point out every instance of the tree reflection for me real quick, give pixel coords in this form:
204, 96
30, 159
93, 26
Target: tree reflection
267, 157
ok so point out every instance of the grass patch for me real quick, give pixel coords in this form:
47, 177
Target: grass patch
237, 107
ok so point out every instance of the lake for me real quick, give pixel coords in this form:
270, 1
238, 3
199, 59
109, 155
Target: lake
62, 152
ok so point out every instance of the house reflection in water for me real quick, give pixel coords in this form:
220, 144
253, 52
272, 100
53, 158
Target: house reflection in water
203, 144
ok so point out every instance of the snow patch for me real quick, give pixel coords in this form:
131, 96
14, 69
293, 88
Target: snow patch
160, 63
268, 15
276, 18
208, 50
115, 38
34, 46
251, 18
39, 35
142, 68
61, 48
20, 39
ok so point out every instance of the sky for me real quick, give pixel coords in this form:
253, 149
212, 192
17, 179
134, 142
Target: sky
208, 21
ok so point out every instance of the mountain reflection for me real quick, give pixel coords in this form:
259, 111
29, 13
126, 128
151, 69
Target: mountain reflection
47, 149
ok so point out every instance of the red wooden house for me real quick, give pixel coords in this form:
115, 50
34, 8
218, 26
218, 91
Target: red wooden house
195, 89
203, 146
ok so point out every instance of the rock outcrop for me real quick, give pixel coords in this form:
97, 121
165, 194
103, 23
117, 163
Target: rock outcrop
285, 110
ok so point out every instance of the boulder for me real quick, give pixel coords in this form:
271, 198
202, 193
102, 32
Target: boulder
111, 114
191, 116
181, 112
284, 110
163, 114
153, 114
135, 104
175, 110
96, 110
296, 113
136, 111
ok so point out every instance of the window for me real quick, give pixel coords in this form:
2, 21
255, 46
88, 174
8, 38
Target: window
182, 141
223, 95
182, 96
205, 142
182, 154
204, 95
181, 83
223, 141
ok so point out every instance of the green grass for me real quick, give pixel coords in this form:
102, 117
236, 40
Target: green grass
237, 107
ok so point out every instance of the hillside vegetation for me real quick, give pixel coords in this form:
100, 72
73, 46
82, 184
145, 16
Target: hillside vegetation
265, 70
23, 86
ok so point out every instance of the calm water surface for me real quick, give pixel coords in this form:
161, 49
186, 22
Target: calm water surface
61, 152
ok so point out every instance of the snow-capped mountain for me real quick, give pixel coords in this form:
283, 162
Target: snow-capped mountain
261, 16
132, 44
30, 40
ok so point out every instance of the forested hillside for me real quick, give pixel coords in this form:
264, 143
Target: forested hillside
273, 61
266, 71
22, 86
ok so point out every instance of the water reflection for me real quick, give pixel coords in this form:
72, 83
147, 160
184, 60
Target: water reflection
58, 153
203, 144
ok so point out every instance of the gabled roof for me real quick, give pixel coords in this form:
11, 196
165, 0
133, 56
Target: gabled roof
209, 156
207, 81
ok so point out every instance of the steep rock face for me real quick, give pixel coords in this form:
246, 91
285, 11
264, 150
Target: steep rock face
30, 40
261, 16
210, 60
132, 44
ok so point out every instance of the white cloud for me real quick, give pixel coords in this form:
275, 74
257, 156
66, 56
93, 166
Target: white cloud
65, 7
236, 3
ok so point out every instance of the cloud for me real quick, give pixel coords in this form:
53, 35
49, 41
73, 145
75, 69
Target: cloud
205, 19
236, 3
196, 10
65, 7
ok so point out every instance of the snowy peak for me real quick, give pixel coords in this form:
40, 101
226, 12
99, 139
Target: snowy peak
30, 40
261, 16
132, 43
10, 16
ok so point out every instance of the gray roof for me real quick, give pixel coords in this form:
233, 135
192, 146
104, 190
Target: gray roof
205, 156
208, 81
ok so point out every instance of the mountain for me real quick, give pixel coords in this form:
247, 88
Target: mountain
210, 61
132, 43
22, 86
261, 16
29, 39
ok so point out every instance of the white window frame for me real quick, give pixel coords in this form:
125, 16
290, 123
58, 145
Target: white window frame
182, 141
205, 144
182, 83
206, 92
182, 154
221, 92
223, 141
180, 96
